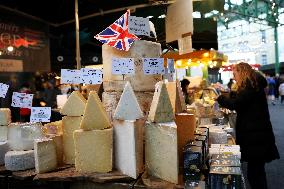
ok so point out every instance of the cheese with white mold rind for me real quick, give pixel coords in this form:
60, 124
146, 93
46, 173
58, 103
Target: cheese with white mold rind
4, 148
21, 135
5, 116
3, 133
161, 110
95, 116
93, 150
69, 124
128, 146
19, 160
128, 107
45, 155
75, 105
161, 151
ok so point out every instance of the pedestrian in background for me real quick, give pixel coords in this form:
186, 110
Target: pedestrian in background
281, 91
253, 129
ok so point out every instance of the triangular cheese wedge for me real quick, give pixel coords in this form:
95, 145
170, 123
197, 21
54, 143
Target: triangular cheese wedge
180, 105
75, 105
95, 116
171, 88
161, 110
128, 107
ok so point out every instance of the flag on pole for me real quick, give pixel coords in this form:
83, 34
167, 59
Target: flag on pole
116, 35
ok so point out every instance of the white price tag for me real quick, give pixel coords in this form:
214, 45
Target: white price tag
3, 90
153, 66
69, 76
171, 65
138, 25
122, 66
91, 76
40, 114
22, 100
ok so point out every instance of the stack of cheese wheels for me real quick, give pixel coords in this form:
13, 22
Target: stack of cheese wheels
94, 140
5, 120
161, 146
128, 134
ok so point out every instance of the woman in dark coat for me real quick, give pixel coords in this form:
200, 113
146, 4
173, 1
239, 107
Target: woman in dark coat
254, 131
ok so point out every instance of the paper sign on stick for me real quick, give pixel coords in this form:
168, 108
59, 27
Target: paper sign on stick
40, 114
123, 66
171, 65
185, 45
69, 76
22, 100
91, 76
153, 66
3, 90
138, 25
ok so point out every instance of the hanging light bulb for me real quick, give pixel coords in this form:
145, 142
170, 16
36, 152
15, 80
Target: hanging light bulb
10, 48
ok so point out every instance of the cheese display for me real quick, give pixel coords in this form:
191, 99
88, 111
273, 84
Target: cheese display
186, 125
4, 148
161, 109
75, 105
3, 133
176, 96
5, 116
52, 128
19, 160
69, 124
128, 146
95, 116
161, 151
21, 135
139, 49
45, 155
93, 150
58, 140
128, 107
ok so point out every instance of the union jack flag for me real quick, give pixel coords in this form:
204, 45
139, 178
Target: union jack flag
116, 35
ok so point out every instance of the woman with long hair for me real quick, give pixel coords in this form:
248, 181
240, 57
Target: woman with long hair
254, 131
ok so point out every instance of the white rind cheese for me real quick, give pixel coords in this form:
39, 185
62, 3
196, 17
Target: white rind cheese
161, 151
75, 105
4, 148
128, 147
19, 160
128, 107
95, 116
3, 133
93, 150
21, 135
45, 155
5, 116
161, 110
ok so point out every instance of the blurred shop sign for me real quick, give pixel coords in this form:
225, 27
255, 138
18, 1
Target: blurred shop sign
10, 65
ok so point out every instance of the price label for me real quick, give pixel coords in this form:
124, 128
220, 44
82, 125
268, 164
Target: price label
171, 65
40, 114
91, 76
122, 66
153, 66
139, 25
69, 76
22, 100
3, 90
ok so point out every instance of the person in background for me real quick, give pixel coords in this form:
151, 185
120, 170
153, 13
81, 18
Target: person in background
254, 131
281, 92
271, 89
277, 84
230, 83
184, 87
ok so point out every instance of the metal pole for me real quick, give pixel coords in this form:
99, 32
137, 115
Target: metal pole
77, 36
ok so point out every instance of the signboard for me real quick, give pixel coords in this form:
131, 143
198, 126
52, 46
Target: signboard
153, 66
40, 114
91, 76
184, 45
10, 65
123, 66
139, 25
179, 20
69, 76
3, 90
22, 100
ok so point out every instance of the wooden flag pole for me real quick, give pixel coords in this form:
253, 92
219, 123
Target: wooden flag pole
77, 40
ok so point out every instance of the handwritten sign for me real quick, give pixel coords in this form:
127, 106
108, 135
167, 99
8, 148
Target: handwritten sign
185, 45
69, 76
122, 66
171, 65
3, 90
91, 76
11, 65
40, 114
22, 100
153, 66
138, 25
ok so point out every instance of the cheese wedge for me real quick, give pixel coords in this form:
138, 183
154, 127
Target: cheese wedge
5, 116
75, 105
